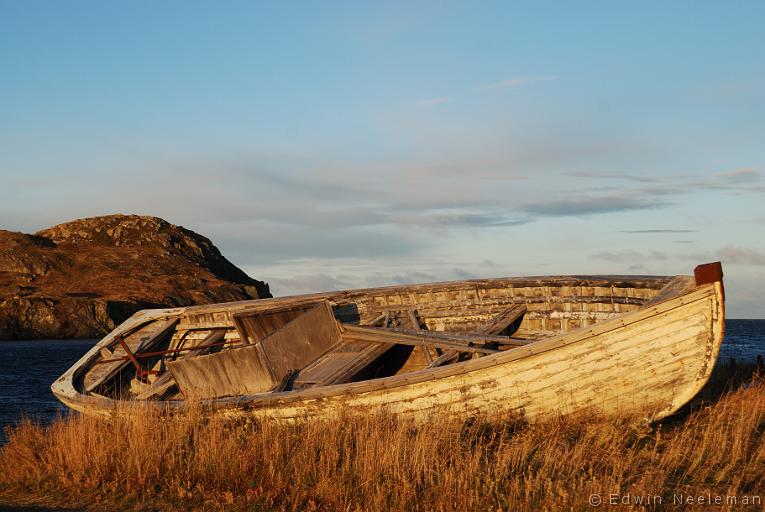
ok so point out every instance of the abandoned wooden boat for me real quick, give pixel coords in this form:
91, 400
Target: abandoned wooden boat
528, 346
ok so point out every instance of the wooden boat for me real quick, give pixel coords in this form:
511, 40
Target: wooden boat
534, 347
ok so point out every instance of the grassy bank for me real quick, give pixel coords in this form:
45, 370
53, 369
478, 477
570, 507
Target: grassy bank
379, 463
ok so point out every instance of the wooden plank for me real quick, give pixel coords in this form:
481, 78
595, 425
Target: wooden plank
679, 285
418, 338
462, 338
413, 319
301, 341
253, 326
238, 371
139, 341
416, 326
346, 360
531, 335
198, 326
341, 364
445, 358
505, 322
165, 382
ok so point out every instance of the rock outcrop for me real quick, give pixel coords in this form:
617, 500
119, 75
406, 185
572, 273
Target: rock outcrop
81, 279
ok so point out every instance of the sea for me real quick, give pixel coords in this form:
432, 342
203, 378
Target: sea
28, 368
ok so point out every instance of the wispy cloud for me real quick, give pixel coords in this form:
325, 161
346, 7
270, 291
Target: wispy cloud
592, 205
518, 81
294, 284
458, 219
613, 176
738, 180
629, 255
417, 276
307, 283
433, 102
730, 255
652, 231
742, 256
741, 175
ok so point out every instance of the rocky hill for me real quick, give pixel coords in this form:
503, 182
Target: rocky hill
82, 278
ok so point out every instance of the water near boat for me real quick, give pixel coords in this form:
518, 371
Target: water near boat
744, 340
28, 370
31, 366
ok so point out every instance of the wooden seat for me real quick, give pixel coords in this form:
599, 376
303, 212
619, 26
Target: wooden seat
261, 365
340, 364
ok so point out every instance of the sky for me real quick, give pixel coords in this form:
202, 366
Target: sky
331, 145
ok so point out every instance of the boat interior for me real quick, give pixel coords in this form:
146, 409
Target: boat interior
294, 343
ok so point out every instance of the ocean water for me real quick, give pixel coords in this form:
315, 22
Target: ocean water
29, 368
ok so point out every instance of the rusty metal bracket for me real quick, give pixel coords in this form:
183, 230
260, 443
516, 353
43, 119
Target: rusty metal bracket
139, 370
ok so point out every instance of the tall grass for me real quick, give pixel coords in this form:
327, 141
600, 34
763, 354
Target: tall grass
381, 463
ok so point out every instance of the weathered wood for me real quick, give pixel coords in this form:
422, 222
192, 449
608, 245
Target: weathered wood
447, 357
199, 326
489, 305
238, 371
461, 338
287, 381
505, 323
260, 367
413, 318
165, 382
417, 338
374, 321
531, 335
158, 388
254, 326
416, 326
340, 364
139, 341
676, 287
347, 359
302, 340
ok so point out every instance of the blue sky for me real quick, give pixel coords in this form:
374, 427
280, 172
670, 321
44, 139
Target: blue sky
330, 145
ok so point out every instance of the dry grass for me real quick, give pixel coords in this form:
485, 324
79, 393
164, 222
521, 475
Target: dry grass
379, 463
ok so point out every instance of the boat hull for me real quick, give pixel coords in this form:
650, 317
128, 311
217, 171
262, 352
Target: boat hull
648, 362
